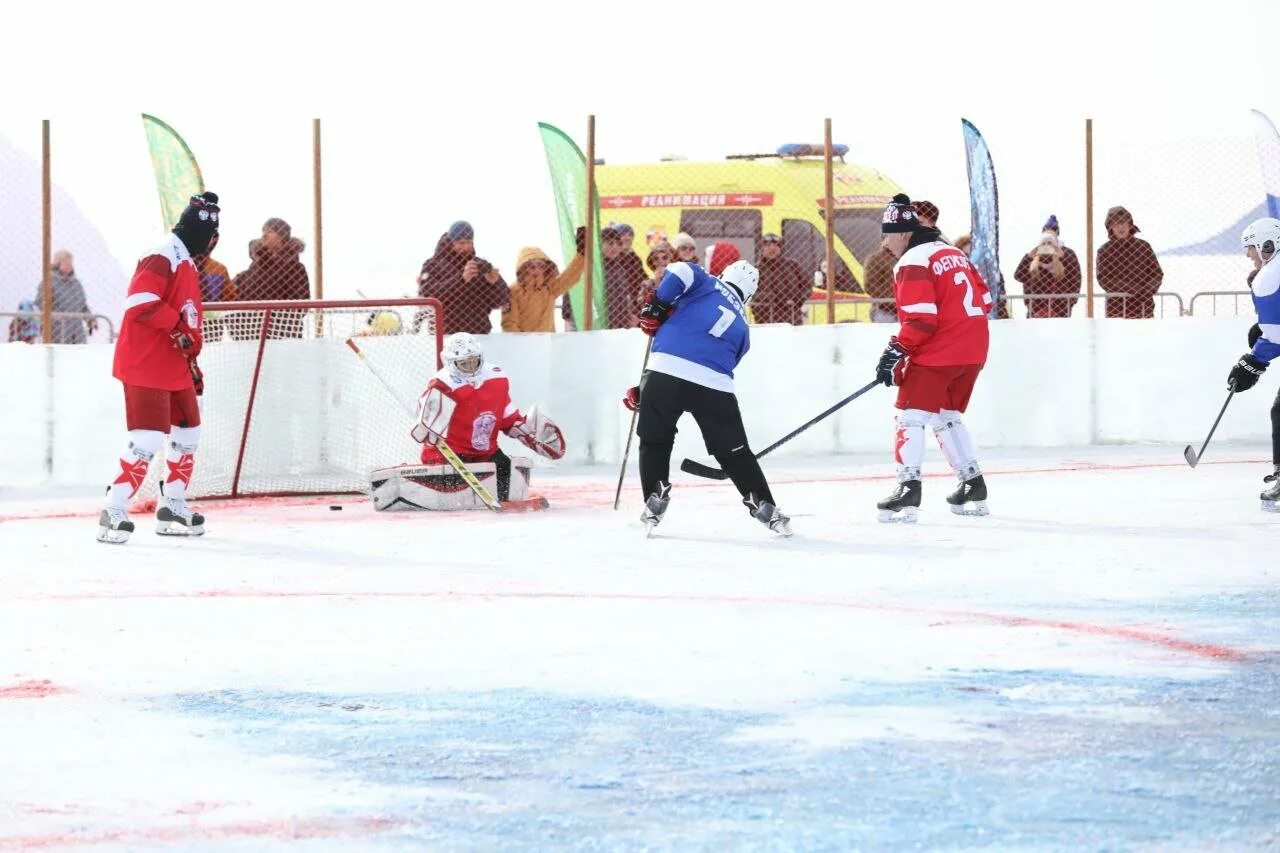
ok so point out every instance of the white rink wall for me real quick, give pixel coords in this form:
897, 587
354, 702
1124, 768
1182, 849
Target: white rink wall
1048, 383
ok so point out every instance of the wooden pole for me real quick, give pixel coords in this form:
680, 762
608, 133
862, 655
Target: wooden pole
830, 204
1088, 209
593, 227
319, 207
46, 255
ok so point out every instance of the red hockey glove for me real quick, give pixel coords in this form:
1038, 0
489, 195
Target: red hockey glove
197, 376
187, 339
632, 398
652, 315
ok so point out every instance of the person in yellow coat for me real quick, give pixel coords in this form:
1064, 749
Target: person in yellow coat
538, 284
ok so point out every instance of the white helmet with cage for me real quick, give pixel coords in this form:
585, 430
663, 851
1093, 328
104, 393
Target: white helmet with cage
1263, 235
743, 276
462, 355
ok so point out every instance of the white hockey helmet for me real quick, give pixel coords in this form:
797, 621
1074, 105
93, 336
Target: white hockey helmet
1260, 233
743, 276
463, 355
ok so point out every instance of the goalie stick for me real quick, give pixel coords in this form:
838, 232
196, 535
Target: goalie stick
447, 452
699, 470
1193, 458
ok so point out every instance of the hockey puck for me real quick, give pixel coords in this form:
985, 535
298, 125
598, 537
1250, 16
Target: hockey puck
335, 507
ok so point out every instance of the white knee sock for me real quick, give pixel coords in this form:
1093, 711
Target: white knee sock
957, 445
143, 446
180, 459
908, 444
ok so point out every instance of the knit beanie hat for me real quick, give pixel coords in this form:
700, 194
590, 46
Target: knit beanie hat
720, 255
899, 216
1051, 224
279, 226
927, 210
461, 230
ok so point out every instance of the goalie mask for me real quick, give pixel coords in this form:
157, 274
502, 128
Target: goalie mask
463, 356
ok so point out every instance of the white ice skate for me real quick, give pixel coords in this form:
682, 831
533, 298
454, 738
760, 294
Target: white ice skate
768, 515
1271, 497
655, 506
970, 498
114, 526
175, 518
903, 506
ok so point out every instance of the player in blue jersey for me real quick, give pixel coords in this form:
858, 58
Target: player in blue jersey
699, 328
1261, 242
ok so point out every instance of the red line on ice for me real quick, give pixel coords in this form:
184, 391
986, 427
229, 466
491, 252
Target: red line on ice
292, 829
31, 690
1121, 632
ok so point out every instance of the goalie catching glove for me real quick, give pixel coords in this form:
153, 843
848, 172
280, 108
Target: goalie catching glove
539, 433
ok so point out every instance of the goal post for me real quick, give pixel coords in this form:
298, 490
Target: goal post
287, 410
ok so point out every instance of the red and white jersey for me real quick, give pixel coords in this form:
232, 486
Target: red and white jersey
164, 288
469, 413
942, 306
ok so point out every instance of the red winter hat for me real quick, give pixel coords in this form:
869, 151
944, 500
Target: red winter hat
927, 210
720, 255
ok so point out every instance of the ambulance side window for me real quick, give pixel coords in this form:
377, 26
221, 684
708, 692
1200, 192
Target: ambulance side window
739, 227
805, 245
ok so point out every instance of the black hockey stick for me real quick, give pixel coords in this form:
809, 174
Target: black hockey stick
1193, 458
622, 473
700, 470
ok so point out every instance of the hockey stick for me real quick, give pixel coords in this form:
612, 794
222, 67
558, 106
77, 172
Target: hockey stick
699, 470
617, 497
447, 452
1193, 458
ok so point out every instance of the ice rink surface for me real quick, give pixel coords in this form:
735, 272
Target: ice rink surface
1096, 665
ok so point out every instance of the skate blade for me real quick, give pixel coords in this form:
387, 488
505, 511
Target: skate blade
174, 528
973, 509
113, 537
1271, 506
906, 515
782, 528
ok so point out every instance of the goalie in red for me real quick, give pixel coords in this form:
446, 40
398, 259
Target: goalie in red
466, 405
155, 359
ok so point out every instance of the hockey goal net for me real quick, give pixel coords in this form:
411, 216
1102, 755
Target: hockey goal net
288, 409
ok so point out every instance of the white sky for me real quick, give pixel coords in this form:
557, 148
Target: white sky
430, 112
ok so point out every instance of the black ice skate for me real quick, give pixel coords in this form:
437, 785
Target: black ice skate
175, 518
903, 506
1271, 497
114, 526
970, 498
767, 514
655, 506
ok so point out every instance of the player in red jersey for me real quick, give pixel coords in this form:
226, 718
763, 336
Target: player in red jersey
155, 359
468, 403
934, 359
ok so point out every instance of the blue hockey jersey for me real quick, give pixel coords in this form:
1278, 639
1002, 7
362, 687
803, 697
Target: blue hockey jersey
1266, 301
706, 334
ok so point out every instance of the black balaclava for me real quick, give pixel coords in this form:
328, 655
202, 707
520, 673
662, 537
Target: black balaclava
199, 223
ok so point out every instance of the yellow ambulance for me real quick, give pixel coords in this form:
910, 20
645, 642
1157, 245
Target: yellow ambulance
745, 196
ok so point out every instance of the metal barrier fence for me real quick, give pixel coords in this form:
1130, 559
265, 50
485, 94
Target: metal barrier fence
69, 327
1084, 206
1215, 295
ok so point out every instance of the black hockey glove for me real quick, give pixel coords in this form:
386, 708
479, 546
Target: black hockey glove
1246, 373
1255, 332
652, 315
891, 367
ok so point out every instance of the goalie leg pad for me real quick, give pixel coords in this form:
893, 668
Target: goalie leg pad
439, 488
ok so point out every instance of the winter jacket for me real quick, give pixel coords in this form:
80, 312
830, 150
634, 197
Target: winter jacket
466, 304
274, 276
68, 296
1041, 281
624, 287
1129, 266
782, 292
533, 310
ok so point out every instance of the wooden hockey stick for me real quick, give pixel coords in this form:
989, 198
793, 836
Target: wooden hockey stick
447, 452
699, 470
622, 472
1193, 458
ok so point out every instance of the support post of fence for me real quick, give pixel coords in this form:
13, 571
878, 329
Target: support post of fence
46, 251
1088, 211
319, 210
593, 228
829, 205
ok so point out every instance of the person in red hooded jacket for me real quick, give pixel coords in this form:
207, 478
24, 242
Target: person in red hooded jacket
155, 359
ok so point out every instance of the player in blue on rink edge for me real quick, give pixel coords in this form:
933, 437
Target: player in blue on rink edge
699, 327
1261, 241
